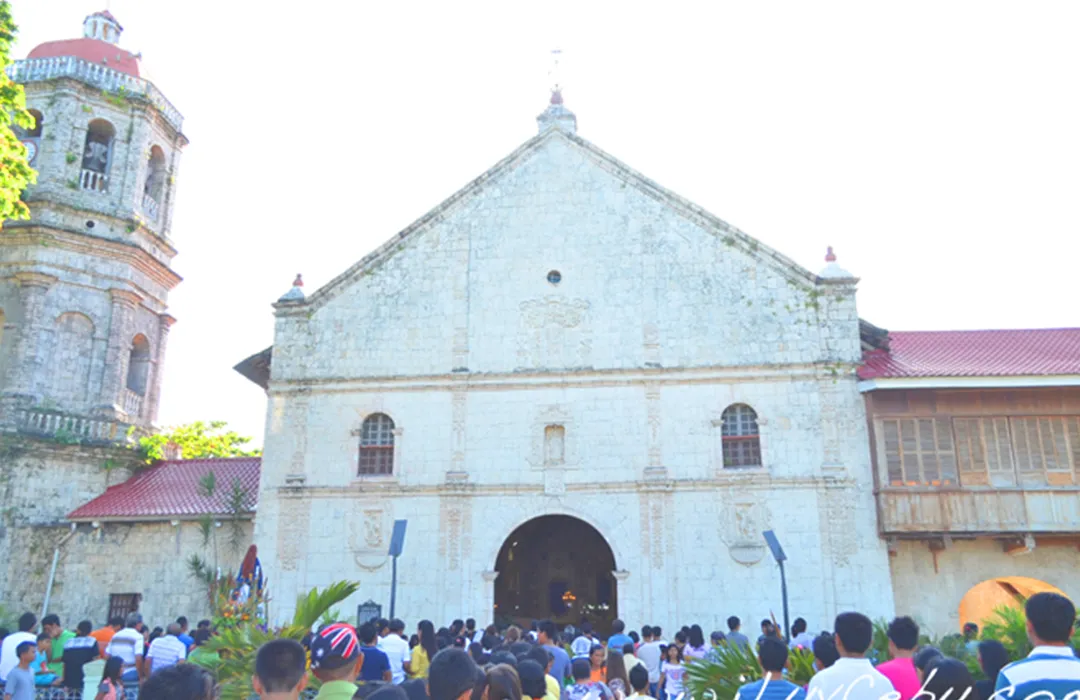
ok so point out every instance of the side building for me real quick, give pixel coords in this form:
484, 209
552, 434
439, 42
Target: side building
976, 445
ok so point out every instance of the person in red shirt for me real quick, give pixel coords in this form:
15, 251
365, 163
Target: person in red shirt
903, 636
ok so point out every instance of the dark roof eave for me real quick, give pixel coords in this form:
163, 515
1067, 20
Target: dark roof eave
257, 367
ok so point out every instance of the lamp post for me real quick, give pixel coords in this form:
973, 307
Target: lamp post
780, 557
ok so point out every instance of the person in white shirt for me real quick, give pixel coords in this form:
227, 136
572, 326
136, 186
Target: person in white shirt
8, 658
396, 648
166, 651
127, 645
649, 654
583, 644
852, 677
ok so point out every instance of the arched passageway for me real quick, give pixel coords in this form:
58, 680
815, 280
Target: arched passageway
556, 567
979, 603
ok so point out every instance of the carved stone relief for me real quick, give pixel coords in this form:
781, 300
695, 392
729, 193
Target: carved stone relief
554, 333
745, 517
369, 537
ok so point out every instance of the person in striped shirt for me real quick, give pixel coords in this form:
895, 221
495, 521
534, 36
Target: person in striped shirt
167, 650
1051, 670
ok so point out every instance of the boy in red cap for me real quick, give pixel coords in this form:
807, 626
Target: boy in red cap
336, 660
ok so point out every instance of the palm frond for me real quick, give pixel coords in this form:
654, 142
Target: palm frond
311, 607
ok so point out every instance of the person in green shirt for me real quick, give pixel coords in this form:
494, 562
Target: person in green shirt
50, 625
336, 660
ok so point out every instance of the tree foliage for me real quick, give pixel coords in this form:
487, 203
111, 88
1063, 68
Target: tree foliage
197, 440
15, 171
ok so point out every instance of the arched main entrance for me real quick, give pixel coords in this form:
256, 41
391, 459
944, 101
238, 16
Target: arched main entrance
559, 568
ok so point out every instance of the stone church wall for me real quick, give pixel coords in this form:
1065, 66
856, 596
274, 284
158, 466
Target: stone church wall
40, 483
933, 596
687, 536
123, 558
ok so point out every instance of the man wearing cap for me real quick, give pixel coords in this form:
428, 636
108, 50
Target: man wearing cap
336, 660
127, 644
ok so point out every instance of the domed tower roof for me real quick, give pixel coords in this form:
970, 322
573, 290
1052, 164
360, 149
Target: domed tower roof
98, 45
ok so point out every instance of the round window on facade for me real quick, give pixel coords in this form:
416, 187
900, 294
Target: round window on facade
554, 277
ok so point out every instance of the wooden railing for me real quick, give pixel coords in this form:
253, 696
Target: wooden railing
957, 510
95, 74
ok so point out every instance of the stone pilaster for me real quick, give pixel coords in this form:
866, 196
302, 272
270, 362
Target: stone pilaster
117, 351
27, 357
150, 411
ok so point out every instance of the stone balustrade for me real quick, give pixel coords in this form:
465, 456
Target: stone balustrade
108, 79
64, 426
132, 403
150, 207
94, 181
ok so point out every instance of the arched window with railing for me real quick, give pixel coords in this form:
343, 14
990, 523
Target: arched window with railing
138, 375
97, 156
740, 437
376, 446
154, 187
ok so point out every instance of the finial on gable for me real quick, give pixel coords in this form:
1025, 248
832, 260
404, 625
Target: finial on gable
297, 291
832, 271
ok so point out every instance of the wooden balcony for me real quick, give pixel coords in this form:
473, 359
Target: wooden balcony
927, 510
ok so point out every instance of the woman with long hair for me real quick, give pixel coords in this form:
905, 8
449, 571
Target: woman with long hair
503, 683
617, 678
425, 650
695, 644
992, 658
672, 672
513, 634
111, 686
597, 673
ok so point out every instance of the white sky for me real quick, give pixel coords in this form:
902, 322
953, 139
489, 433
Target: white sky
935, 145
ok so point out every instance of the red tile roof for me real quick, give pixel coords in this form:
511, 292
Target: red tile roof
93, 50
171, 490
1002, 353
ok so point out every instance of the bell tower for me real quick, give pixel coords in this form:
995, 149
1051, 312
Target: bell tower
84, 283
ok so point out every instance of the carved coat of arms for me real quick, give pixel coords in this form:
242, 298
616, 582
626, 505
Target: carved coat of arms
369, 538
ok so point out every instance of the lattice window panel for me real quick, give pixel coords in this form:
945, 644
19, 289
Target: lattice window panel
1047, 449
984, 451
919, 452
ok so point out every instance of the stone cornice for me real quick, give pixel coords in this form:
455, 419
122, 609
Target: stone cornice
759, 481
125, 297
96, 246
167, 321
566, 378
35, 279
39, 198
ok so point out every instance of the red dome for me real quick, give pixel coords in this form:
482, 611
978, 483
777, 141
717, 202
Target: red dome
92, 50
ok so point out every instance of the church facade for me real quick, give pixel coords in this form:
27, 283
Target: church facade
587, 396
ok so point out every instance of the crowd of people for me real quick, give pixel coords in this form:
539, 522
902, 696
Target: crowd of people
378, 661
55, 658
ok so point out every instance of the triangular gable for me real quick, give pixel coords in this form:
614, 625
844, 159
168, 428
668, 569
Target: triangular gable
732, 236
